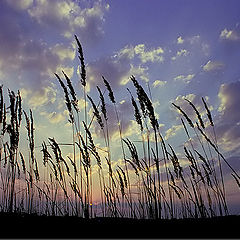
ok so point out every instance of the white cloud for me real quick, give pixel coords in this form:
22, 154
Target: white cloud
126, 52
54, 117
131, 130
231, 35
213, 66
40, 97
69, 17
182, 52
139, 71
117, 69
159, 83
185, 78
68, 70
153, 55
64, 52
81, 104
196, 100
171, 132
33, 60
180, 40
144, 54
229, 101
111, 68
196, 42
228, 137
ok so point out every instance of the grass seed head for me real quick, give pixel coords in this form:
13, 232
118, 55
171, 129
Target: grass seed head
103, 105
96, 113
184, 114
110, 92
208, 112
72, 91
81, 58
67, 99
197, 113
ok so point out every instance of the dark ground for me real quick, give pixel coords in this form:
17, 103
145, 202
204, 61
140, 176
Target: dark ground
30, 226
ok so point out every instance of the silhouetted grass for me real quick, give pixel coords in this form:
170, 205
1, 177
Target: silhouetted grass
151, 183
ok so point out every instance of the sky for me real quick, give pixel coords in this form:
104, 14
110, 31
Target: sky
179, 48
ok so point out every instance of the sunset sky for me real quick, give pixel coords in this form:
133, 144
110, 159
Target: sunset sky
179, 48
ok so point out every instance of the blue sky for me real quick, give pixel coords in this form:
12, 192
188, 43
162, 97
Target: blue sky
180, 48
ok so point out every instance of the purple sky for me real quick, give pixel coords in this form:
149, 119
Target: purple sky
181, 48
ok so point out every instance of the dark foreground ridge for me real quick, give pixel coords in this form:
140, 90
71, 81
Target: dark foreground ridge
33, 226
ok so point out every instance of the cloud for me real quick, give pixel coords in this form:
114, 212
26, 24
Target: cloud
117, 69
55, 117
38, 98
196, 100
182, 52
229, 102
140, 51
171, 132
213, 66
180, 40
154, 55
126, 114
64, 52
69, 17
159, 83
132, 130
109, 67
185, 78
228, 121
206, 49
81, 104
28, 60
231, 35
68, 70
196, 42
31, 66
228, 136
127, 52
137, 71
